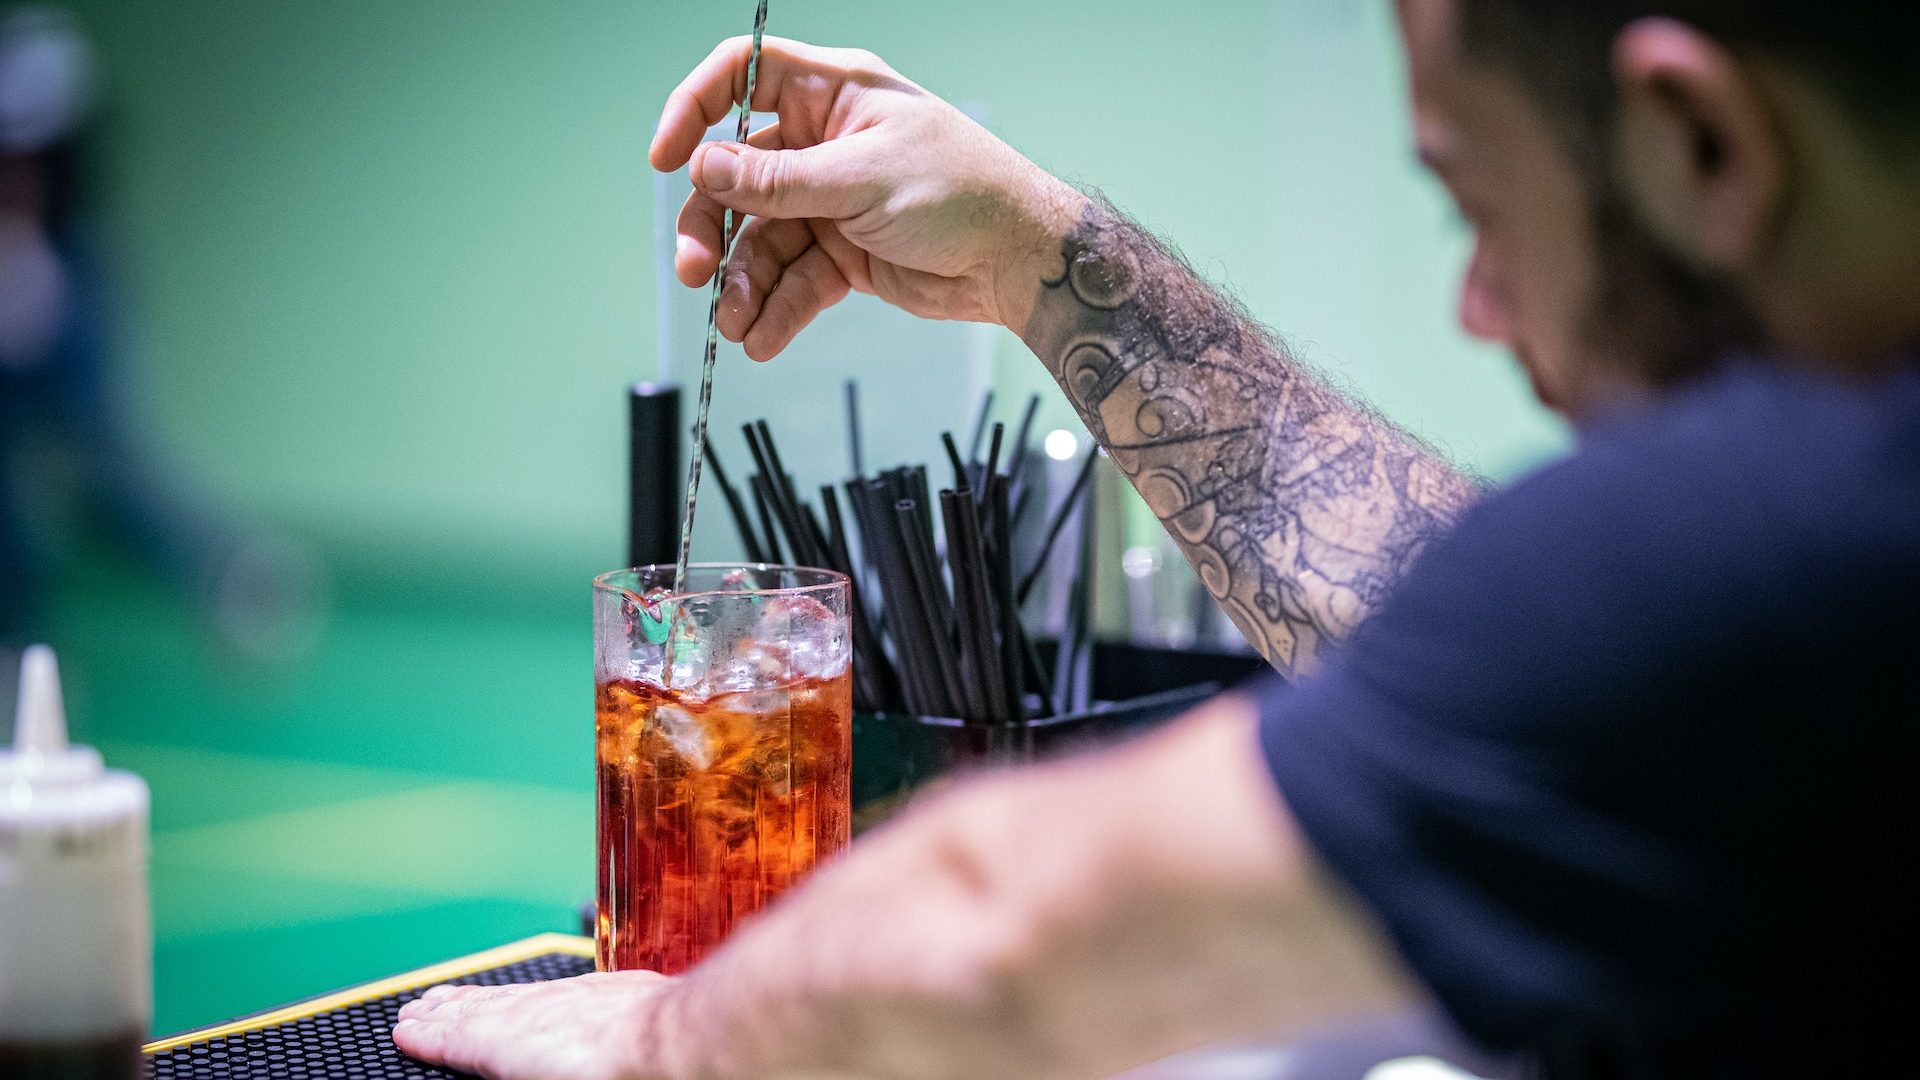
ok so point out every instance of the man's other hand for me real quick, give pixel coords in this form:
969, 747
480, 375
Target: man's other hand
593, 1027
866, 182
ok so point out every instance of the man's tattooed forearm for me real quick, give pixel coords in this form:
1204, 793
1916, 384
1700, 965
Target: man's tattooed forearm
1298, 508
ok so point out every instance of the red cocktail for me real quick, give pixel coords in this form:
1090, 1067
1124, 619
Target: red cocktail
722, 763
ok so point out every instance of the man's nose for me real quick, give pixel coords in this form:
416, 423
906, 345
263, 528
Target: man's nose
1483, 304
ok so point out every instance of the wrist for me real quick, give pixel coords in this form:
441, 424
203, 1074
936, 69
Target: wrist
1050, 211
724, 1021
672, 1041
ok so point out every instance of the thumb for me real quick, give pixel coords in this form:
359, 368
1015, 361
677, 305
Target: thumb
824, 181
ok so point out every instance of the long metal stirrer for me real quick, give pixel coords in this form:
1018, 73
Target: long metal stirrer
713, 335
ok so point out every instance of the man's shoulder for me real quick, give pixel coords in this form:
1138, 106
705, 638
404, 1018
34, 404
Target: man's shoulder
1759, 492
1782, 460
1771, 427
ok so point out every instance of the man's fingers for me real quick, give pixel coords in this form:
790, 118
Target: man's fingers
696, 245
696, 242
767, 138
418, 1038
713, 90
837, 179
809, 286
761, 254
433, 1041
819, 182
853, 262
446, 1000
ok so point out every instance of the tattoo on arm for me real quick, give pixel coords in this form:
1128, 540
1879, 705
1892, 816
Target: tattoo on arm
1298, 508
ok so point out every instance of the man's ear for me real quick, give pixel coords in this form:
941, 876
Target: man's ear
1697, 145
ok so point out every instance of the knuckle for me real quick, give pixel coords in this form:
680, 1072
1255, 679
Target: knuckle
774, 174
741, 273
799, 295
864, 60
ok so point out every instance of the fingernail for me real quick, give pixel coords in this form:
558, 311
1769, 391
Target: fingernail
720, 168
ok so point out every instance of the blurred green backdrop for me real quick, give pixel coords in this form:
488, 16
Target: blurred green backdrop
387, 267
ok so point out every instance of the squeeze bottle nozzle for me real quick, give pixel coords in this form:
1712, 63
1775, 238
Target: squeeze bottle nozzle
40, 751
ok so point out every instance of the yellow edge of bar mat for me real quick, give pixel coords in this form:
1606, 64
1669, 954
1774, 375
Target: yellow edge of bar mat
538, 945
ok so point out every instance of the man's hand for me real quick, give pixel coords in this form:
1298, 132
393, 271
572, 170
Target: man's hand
594, 1027
867, 183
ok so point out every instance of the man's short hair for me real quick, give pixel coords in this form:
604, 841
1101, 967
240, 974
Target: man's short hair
1861, 50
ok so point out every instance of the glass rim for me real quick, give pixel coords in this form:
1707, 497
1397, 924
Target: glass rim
829, 579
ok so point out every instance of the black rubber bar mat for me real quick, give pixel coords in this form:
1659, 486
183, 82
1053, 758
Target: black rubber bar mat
349, 1034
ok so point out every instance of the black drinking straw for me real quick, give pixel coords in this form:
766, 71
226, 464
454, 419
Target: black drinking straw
1019, 456
880, 562
735, 507
953, 458
1020, 502
806, 526
971, 565
872, 673
1000, 571
815, 532
1082, 694
779, 474
969, 605
937, 697
934, 605
1060, 515
763, 478
1063, 659
993, 457
783, 517
837, 548
1037, 671
1066, 665
854, 456
758, 484
980, 426
916, 618
754, 448
861, 500
780, 496
923, 503
966, 613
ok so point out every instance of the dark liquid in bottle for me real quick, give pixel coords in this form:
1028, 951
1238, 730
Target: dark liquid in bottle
101, 1057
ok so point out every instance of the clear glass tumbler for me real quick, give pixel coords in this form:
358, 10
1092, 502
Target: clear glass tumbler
723, 746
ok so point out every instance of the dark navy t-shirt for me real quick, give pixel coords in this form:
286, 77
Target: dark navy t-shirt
1625, 765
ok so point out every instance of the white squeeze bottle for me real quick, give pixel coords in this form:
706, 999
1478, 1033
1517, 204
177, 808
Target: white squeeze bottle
76, 947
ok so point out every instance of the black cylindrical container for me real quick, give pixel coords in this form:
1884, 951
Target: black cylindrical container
654, 474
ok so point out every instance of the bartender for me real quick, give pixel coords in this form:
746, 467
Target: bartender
1615, 763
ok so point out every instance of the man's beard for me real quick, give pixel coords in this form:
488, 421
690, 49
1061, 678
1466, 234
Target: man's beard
1654, 319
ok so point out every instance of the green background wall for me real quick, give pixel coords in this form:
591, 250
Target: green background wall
388, 265
390, 261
